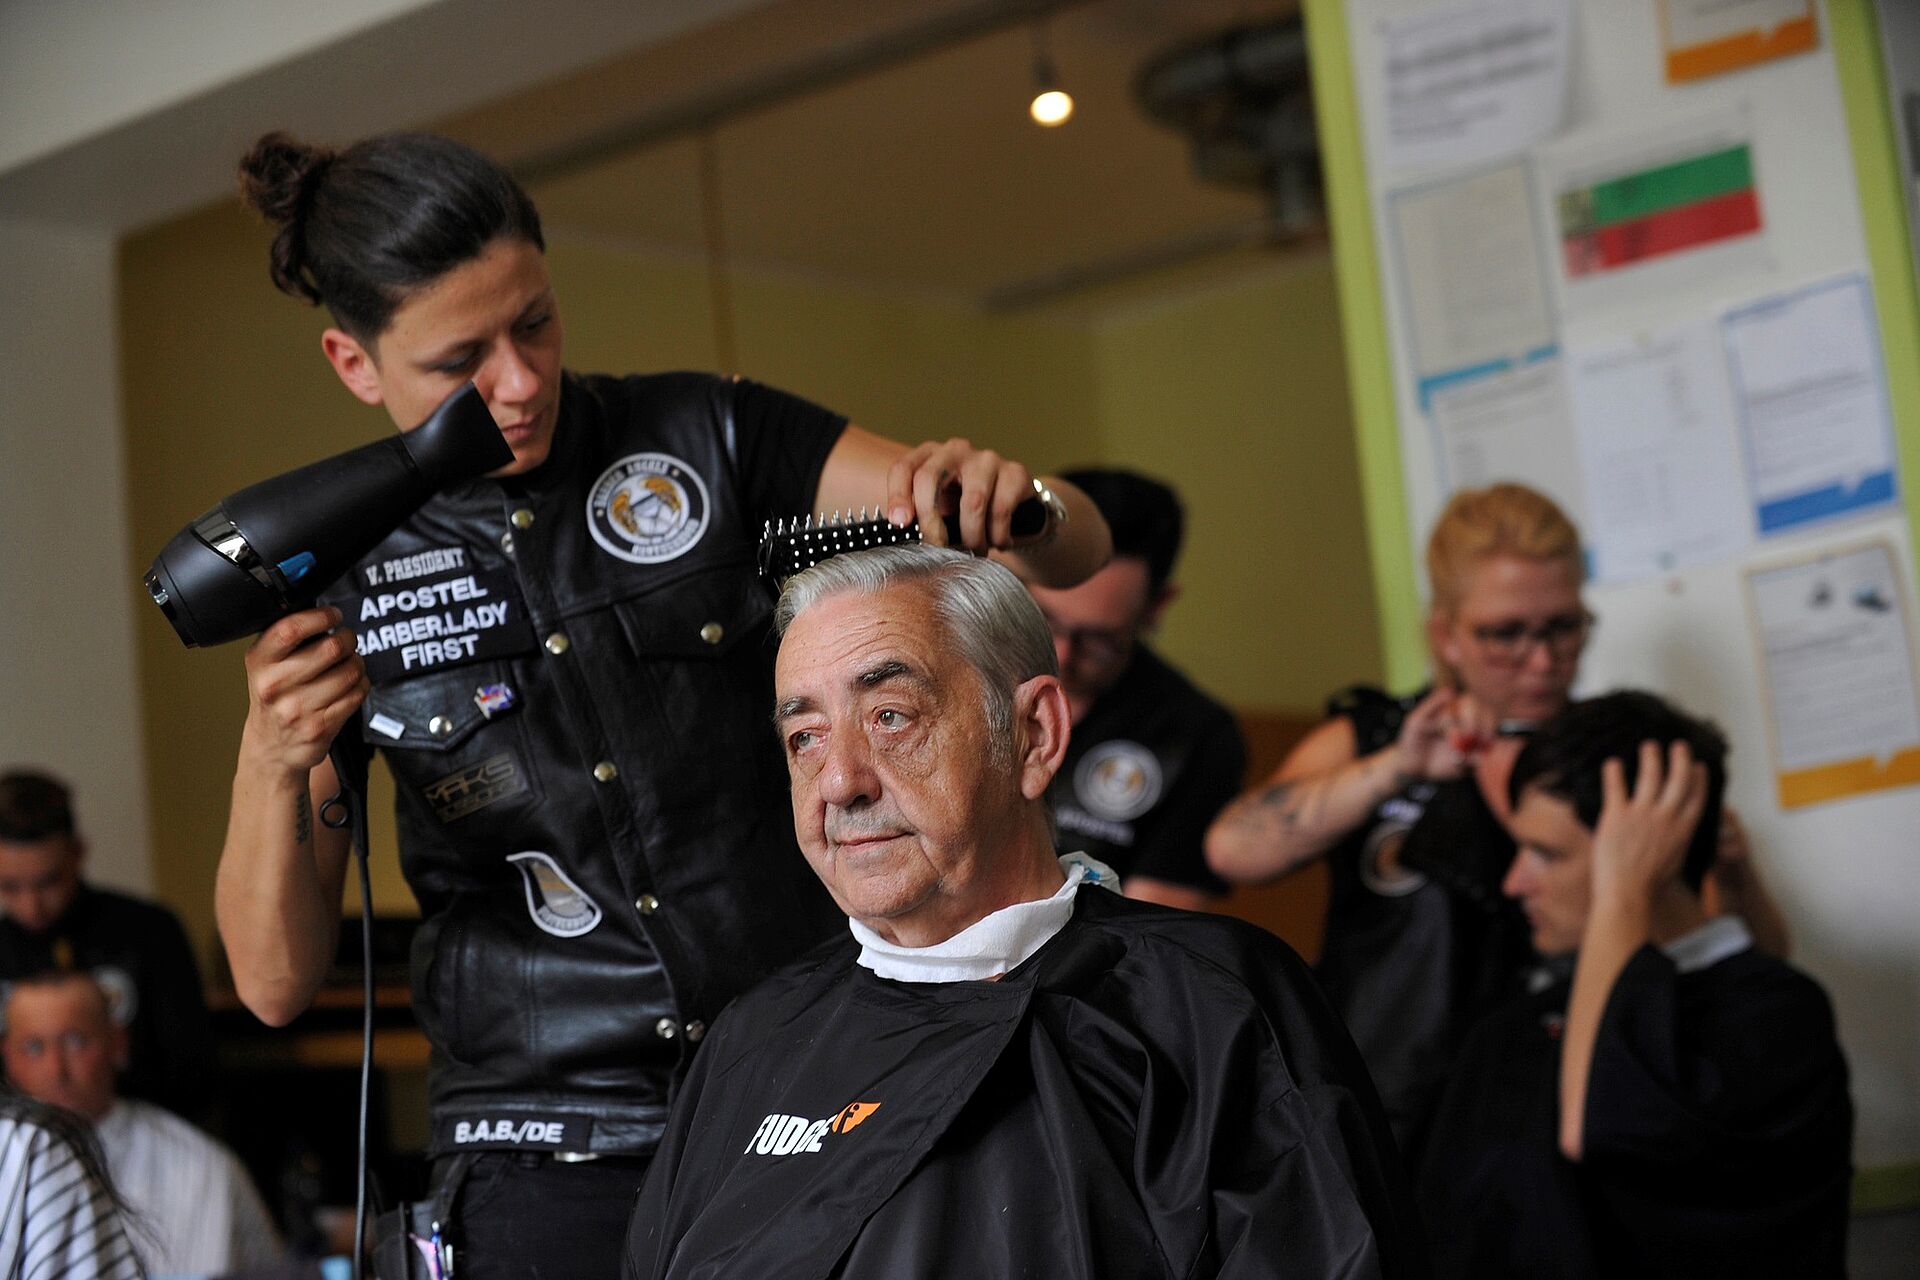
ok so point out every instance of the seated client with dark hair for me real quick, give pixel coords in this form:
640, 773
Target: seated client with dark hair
1667, 1100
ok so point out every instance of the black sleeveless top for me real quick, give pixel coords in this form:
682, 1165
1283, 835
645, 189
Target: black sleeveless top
1419, 938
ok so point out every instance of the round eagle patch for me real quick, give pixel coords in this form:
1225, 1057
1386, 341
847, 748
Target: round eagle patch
555, 902
1117, 780
648, 508
1380, 869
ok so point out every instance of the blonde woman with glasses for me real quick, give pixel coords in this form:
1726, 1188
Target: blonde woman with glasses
1402, 795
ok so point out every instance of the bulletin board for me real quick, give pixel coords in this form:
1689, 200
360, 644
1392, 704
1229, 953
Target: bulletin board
1623, 251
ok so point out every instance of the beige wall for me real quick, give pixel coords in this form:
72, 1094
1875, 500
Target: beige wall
1238, 397
1235, 395
68, 699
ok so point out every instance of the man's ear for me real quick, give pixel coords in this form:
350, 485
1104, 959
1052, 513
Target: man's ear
1042, 723
354, 363
122, 1048
1150, 620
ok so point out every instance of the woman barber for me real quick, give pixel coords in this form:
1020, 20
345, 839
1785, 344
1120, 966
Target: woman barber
592, 811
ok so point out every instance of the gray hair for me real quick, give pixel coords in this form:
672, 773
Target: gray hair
997, 628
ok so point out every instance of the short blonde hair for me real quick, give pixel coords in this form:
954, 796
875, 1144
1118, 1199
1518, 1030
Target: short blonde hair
1501, 519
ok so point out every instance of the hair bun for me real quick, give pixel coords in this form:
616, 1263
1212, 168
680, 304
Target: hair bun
279, 174
278, 178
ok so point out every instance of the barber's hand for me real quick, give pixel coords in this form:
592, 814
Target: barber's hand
1443, 735
935, 480
302, 686
1641, 839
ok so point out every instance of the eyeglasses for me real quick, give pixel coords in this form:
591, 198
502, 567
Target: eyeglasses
1101, 643
1509, 643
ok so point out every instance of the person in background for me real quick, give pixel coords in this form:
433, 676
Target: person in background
1679, 1106
1001, 1067
564, 666
135, 950
1152, 758
59, 1213
195, 1210
1402, 795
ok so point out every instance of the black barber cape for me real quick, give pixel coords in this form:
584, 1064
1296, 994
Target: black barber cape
1153, 1094
1716, 1142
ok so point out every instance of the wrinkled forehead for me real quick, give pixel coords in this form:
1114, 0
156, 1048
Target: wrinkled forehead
77, 1002
843, 629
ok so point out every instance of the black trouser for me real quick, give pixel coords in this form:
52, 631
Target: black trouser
526, 1216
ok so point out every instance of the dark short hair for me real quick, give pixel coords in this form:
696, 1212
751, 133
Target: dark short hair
1563, 760
34, 806
363, 227
1144, 514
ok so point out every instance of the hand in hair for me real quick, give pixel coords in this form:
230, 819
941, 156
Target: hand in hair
1641, 839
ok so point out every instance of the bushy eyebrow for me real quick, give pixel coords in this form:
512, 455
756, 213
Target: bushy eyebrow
884, 672
891, 669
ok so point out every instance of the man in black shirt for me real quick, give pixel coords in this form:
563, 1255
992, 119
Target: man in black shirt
1000, 1068
1679, 1108
1153, 759
136, 950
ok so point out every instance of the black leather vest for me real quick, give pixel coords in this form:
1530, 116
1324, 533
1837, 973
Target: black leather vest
572, 688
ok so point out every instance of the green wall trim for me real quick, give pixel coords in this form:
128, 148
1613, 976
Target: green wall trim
1883, 216
1363, 325
1888, 1189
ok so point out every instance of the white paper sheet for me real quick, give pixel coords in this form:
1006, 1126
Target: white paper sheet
1839, 657
1472, 83
1468, 253
1812, 400
1508, 425
1658, 453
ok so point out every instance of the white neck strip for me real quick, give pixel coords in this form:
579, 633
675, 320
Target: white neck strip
1720, 938
989, 946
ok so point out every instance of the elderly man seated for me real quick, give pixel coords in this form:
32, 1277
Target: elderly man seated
193, 1209
1004, 1069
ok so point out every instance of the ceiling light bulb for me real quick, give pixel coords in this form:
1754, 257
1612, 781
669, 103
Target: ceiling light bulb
1051, 107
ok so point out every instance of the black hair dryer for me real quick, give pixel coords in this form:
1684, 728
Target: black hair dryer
272, 548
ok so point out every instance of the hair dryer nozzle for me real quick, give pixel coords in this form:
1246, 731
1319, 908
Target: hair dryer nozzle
459, 441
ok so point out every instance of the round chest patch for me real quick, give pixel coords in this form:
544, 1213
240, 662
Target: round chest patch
648, 507
1380, 869
555, 902
1117, 780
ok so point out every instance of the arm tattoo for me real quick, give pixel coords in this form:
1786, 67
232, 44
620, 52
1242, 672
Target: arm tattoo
302, 820
1276, 796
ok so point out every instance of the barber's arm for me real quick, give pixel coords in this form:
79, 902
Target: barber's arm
1325, 789
1638, 847
277, 893
979, 485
